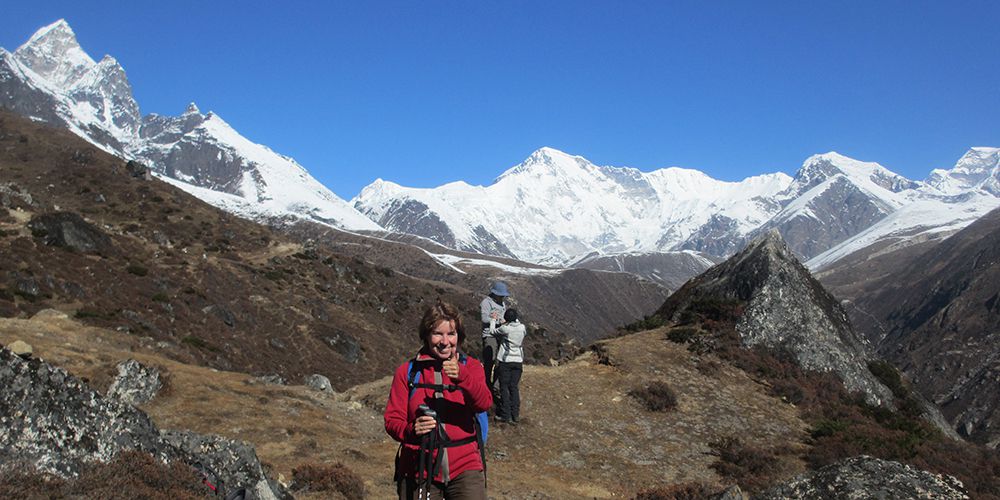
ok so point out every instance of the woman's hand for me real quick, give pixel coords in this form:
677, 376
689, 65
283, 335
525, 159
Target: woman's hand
423, 424
451, 366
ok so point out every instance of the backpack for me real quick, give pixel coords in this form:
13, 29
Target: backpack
481, 420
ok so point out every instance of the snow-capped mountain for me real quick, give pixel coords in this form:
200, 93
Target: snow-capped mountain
52, 79
555, 208
978, 169
832, 198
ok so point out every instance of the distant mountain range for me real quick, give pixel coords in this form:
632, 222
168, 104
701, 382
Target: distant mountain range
556, 208
553, 209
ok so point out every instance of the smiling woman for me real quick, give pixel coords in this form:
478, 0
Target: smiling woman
432, 411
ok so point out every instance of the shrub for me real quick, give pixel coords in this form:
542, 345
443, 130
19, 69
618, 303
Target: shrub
752, 468
87, 312
335, 477
199, 343
685, 491
160, 297
646, 323
657, 396
137, 269
131, 474
682, 334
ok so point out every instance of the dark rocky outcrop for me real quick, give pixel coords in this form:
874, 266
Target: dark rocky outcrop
135, 383
69, 230
52, 422
784, 309
867, 477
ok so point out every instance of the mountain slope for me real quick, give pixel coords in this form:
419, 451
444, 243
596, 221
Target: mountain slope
937, 317
52, 79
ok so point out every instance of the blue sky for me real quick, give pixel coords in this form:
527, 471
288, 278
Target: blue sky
427, 92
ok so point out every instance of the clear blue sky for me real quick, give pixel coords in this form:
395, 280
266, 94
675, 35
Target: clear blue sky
423, 92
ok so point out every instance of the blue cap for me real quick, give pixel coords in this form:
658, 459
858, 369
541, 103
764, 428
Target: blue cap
499, 289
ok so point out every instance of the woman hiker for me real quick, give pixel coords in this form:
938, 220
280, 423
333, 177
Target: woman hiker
510, 358
432, 407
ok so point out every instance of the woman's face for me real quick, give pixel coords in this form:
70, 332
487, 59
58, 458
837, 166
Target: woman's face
443, 340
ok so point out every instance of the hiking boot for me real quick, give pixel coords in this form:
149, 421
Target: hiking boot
500, 419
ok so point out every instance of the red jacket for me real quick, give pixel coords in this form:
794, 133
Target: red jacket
456, 411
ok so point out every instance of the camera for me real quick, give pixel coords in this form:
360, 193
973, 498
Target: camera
426, 410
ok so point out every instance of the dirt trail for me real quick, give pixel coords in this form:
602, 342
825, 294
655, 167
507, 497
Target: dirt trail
581, 435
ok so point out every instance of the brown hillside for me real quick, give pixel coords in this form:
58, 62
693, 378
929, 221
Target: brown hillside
582, 435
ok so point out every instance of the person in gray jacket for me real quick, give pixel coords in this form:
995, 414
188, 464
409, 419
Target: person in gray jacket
491, 313
510, 360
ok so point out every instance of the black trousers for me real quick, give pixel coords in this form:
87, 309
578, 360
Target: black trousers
489, 354
510, 395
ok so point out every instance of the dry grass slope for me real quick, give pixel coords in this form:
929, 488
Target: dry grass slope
581, 436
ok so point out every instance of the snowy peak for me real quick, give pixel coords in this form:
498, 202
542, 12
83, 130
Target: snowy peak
547, 161
54, 53
818, 168
979, 169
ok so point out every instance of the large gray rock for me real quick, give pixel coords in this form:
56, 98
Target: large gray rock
784, 309
69, 230
319, 382
52, 422
236, 462
135, 383
868, 477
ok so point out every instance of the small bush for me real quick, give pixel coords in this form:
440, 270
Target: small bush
137, 269
889, 376
198, 342
87, 312
686, 491
160, 297
682, 334
657, 396
752, 468
335, 477
646, 323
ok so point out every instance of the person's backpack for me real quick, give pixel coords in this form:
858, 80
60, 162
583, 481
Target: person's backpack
482, 420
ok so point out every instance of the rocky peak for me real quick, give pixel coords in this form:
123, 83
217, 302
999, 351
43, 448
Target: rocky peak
979, 168
818, 168
54, 53
785, 309
868, 477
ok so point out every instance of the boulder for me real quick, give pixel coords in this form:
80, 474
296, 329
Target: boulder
69, 230
20, 348
135, 383
868, 477
234, 461
319, 382
54, 423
